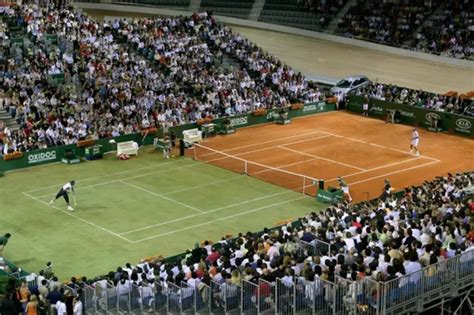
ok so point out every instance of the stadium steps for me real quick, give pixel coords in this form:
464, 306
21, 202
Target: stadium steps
194, 5
238, 9
332, 27
289, 13
157, 3
256, 10
7, 119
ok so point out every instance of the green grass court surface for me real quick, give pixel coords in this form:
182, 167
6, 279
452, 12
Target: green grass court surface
127, 210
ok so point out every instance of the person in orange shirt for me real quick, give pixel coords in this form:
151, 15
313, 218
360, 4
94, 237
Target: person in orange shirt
24, 294
32, 306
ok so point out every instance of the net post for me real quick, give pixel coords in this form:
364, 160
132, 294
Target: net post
246, 168
304, 185
194, 152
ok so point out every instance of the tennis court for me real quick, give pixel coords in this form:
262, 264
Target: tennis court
325, 146
127, 210
146, 206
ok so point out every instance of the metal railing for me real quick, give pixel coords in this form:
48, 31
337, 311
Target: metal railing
315, 248
414, 292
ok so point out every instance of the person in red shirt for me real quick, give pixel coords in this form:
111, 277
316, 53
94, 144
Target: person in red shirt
214, 256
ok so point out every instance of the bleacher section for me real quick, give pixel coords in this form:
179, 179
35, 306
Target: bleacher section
291, 13
288, 12
235, 8
158, 3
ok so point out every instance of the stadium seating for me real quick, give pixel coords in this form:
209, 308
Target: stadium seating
237, 8
448, 31
293, 13
63, 78
160, 3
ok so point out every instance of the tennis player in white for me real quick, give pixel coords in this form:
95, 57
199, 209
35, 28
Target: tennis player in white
415, 139
63, 192
345, 188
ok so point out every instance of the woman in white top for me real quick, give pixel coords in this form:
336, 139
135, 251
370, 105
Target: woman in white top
60, 308
77, 306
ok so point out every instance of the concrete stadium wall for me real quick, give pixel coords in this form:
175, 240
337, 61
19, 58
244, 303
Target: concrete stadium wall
284, 29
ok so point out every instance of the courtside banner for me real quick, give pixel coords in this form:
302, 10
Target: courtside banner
51, 155
55, 154
248, 120
413, 115
37, 157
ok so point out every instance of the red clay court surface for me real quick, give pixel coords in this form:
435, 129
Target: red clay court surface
364, 151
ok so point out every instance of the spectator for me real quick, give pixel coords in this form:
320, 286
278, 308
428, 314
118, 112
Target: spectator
32, 308
417, 98
3, 242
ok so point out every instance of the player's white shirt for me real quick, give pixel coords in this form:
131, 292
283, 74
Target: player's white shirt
415, 138
414, 134
67, 187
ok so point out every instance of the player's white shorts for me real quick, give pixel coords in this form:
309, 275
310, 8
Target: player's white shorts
345, 189
414, 142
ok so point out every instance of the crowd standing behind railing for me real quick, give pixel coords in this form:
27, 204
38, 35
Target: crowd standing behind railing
445, 103
386, 242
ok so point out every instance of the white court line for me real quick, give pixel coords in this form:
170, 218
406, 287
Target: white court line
258, 150
373, 169
221, 208
237, 176
207, 212
395, 172
132, 177
309, 139
217, 220
173, 169
79, 218
253, 151
265, 142
161, 196
158, 164
276, 146
202, 185
377, 145
321, 158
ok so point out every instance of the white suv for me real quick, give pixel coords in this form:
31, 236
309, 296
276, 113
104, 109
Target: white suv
350, 84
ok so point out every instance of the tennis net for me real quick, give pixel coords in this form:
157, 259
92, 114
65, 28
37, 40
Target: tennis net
274, 175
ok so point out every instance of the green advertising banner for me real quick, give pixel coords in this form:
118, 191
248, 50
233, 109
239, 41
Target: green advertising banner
55, 154
412, 115
247, 120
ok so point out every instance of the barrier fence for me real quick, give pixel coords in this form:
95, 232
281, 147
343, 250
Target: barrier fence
315, 248
413, 115
414, 292
55, 154
250, 298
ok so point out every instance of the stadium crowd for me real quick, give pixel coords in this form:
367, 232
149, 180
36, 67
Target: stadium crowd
116, 89
449, 32
418, 98
327, 9
441, 27
390, 22
384, 239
